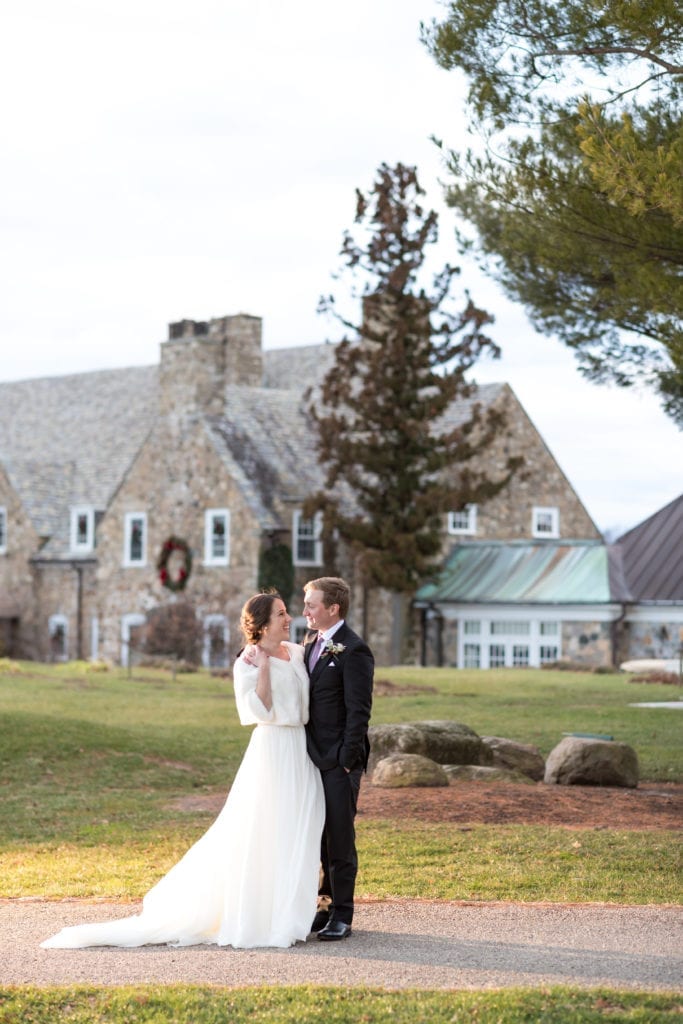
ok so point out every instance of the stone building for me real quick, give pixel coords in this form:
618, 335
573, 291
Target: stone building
98, 471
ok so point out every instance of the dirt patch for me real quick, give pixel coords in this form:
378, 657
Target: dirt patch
385, 688
652, 805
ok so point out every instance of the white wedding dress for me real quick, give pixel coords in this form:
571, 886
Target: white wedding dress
252, 879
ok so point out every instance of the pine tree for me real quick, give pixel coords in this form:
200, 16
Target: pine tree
396, 455
577, 197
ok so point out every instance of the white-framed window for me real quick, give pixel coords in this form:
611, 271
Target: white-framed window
496, 655
510, 627
135, 539
3, 530
471, 656
507, 642
307, 541
520, 655
82, 530
216, 635
548, 654
463, 521
298, 629
131, 625
545, 522
94, 638
58, 629
217, 536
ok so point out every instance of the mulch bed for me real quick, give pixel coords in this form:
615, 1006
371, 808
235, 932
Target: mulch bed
652, 805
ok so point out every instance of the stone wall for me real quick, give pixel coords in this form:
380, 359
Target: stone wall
652, 640
18, 613
176, 477
587, 643
64, 590
539, 482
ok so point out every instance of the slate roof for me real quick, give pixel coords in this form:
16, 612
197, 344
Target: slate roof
264, 441
521, 572
295, 368
67, 441
647, 562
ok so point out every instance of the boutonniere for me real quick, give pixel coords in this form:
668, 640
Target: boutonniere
332, 648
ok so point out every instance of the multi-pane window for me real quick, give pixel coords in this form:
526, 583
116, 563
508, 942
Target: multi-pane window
132, 625
58, 629
508, 643
471, 656
217, 536
298, 630
520, 655
464, 520
307, 539
496, 655
135, 539
3, 530
548, 654
82, 528
515, 627
215, 653
545, 522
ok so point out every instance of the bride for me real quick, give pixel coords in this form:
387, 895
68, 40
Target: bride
252, 879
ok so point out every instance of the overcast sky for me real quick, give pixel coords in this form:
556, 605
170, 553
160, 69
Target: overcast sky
164, 159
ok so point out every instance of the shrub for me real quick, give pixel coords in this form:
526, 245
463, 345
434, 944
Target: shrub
174, 631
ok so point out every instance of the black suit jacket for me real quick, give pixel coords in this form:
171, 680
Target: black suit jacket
341, 702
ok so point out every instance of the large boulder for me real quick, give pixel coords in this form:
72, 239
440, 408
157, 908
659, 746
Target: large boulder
519, 757
398, 770
577, 761
485, 773
444, 742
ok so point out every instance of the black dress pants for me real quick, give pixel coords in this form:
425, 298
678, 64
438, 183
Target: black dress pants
338, 848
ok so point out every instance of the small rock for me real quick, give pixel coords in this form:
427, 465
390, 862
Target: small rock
519, 757
398, 770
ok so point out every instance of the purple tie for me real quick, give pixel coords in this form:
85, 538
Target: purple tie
316, 652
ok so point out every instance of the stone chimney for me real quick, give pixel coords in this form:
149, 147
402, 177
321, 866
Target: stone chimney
201, 358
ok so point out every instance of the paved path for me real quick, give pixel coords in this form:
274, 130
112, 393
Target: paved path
394, 945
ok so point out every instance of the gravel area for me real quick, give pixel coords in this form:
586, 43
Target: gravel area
402, 944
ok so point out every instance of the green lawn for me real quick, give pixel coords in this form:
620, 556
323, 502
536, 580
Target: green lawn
191, 1004
92, 765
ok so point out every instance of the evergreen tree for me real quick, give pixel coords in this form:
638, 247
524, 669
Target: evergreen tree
395, 451
577, 198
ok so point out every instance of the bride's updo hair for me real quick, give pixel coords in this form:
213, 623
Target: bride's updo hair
256, 615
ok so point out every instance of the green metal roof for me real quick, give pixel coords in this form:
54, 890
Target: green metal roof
561, 572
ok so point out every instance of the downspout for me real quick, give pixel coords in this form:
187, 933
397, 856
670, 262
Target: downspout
439, 640
614, 634
79, 611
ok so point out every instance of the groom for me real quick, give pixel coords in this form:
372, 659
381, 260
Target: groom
340, 666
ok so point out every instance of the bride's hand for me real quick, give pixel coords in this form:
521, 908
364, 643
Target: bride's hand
254, 655
248, 655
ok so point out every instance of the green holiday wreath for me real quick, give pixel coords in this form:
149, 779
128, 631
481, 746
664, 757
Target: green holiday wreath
178, 581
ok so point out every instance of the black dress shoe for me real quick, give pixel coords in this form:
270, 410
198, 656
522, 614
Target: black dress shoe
320, 920
334, 930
